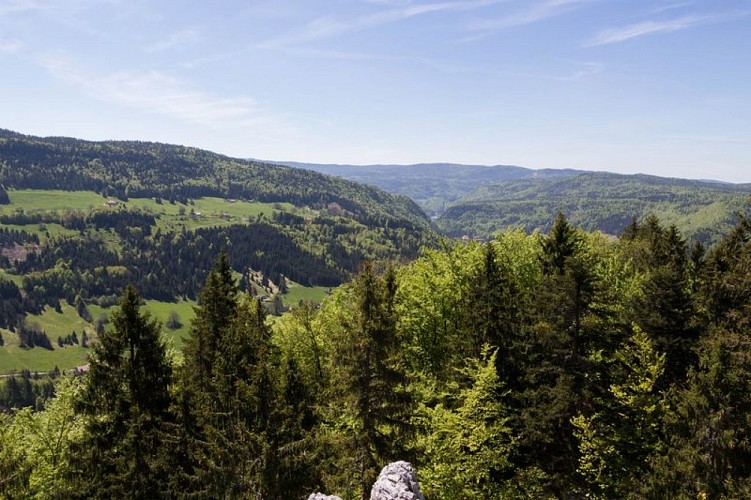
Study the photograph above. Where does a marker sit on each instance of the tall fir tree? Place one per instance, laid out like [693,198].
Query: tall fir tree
[126,404]
[554,373]
[665,308]
[707,452]
[491,315]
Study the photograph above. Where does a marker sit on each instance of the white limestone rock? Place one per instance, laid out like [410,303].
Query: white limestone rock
[397,481]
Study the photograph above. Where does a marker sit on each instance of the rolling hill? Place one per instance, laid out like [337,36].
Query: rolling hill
[702,210]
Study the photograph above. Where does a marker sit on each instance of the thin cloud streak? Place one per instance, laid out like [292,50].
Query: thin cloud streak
[586,70]
[617,35]
[10,46]
[536,13]
[328,27]
[182,38]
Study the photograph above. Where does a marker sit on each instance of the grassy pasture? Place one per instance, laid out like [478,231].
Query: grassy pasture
[296,293]
[208,211]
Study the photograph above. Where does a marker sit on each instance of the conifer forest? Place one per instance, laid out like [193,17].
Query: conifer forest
[558,365]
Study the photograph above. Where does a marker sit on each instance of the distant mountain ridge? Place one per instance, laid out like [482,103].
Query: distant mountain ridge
[478,200]
[433,186]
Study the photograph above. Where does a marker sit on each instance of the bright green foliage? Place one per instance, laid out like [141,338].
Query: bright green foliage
[300,337]
[467,448]
[35,448]
[126,403]
[431,307]
[14,467]
[614,444]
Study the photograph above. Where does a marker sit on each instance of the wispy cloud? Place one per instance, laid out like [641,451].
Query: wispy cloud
[536,12]
[329,26]
[181,38]
[584,70]
[671,6]
[10,46]
[652,27]
[50,6]
[160,93]
[13,6]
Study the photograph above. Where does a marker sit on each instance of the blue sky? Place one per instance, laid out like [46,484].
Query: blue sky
[660,87]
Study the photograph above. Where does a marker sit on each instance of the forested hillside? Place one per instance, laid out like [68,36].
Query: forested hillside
[704,211]
[553,365]
[175,173]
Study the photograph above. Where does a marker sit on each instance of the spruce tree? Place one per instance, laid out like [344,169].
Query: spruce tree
[243,399]
[218,302]
[491,315]
[195,399]
[368,378]
[665,308]
[707,450]
[555,372]
[126,404]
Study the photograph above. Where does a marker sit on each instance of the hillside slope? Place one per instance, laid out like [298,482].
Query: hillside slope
[163,212]
[703,210]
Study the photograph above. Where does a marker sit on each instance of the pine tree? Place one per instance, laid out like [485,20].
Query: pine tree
[665,309]
[218,302]
[555,374]
[126,406]
[491,315]
[297,472]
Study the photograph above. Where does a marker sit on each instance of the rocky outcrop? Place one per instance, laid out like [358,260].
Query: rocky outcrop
[321,496]
[397,481]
